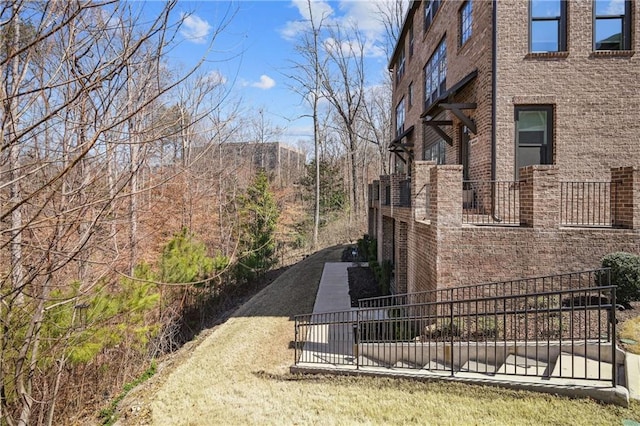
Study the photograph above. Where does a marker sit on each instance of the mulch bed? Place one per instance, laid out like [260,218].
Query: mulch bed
[362,284]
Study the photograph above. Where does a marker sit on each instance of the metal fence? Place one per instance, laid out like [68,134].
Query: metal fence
[587,203]
[405,193]
[491,202]
[531,285]
[554,333]
[387,195]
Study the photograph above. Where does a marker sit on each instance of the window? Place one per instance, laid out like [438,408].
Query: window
[400,66]
[400,118]
[612,26]
[466,21]
[436,152]
[548,26]
[534,135]
[435,74]
[410,94]
[430,9]
[411,41]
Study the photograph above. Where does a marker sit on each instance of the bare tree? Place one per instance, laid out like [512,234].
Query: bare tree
[344,86]
[391,15]
[80,83]
[307,80]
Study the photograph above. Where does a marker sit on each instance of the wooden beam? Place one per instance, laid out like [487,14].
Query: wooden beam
[464,118]
[438,122]
[459,106]
[443,135]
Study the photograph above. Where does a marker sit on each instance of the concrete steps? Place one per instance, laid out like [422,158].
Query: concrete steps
[520,365]
[568,366]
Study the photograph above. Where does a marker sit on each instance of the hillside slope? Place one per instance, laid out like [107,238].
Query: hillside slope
[237,374]
[236,364]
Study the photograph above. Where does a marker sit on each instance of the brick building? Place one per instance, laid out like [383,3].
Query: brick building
[284,165]
[517,142]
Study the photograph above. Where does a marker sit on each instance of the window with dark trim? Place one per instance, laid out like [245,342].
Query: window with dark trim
[534,135]
[466,21]
[411,40]
[436,152]
[612,25]
[435,74]
[400,115]
[410,94]
[548,26]
[430,9]
[400,66]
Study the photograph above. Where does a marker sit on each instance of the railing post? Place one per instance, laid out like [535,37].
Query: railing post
[451,328]
[614,366]
[356,340]
[295,341]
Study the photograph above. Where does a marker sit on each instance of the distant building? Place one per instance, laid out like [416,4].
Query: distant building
[284,165]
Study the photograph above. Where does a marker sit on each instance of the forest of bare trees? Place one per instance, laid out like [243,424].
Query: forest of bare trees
[110,226]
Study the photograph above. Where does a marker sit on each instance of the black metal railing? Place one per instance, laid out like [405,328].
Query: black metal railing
[405,193]
[530,285]
[556,333]
[587,203]
[491,202]
[387,195]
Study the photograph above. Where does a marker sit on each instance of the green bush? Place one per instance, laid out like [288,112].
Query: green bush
[625,274]
[384,283]
[367,248]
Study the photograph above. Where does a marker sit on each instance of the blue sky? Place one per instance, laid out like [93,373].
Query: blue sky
[254,51]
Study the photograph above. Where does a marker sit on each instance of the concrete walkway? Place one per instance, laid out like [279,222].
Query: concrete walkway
[333,291]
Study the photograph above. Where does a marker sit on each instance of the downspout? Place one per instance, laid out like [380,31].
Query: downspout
[494,79]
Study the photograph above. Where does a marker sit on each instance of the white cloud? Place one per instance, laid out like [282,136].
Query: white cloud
[265,82]
[194,28]
[362,15]
[216,77]
[320,9]
[616,7]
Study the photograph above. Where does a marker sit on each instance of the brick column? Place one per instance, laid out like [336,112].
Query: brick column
[539,196]
[446,195]
[395,180]
[385,244]
[401,258]
[625,197]
[420,188]
[385,181]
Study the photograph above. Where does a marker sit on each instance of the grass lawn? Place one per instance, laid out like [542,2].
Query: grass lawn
[238,373]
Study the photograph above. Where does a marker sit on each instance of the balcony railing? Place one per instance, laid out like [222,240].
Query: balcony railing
[558,333]
[405,193]
[542,284]
[587,203]
[491,202]
[387,195]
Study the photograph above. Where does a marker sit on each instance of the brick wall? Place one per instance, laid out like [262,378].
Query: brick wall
[475,54]
[401,257]
[595,96]
[626,197]
[446,253]
[420,191]
[385,242]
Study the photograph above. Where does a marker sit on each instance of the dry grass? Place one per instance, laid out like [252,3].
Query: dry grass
[630,331]
[238,374]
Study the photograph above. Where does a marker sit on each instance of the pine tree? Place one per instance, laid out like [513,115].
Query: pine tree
[257,227]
